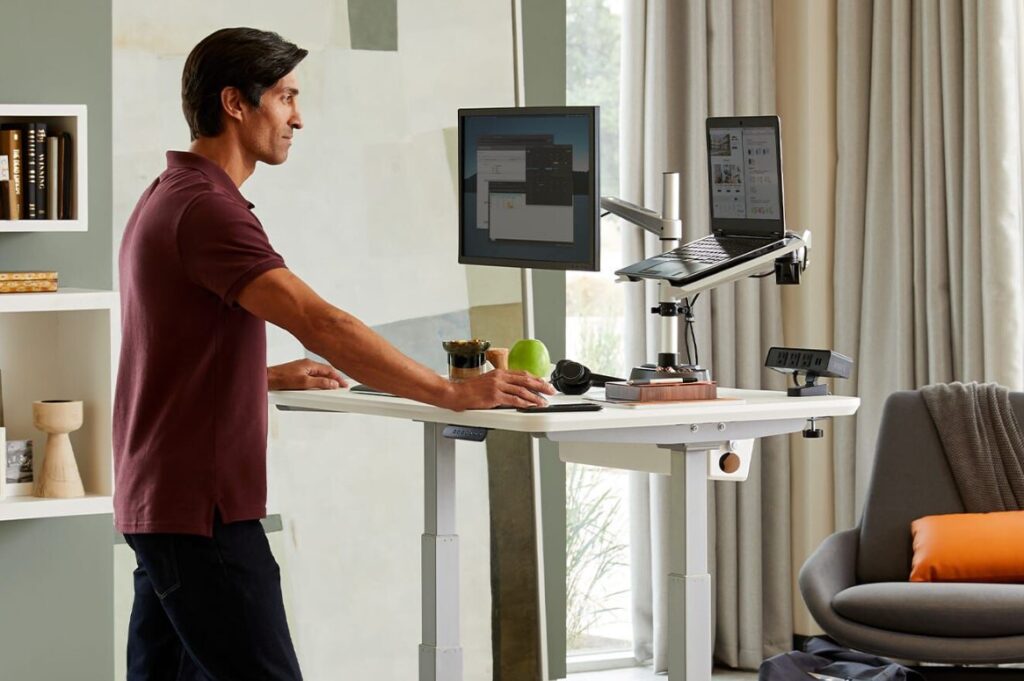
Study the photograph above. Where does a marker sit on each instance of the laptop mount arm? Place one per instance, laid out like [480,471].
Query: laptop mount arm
[788,265]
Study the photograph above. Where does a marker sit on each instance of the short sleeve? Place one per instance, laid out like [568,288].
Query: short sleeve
[223,246]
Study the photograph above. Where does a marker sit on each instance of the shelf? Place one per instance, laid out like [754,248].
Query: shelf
[62,346]
[70,118]
[60,300]
[24,508]
[43,226]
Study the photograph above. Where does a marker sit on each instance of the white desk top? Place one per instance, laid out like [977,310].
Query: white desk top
[750,405]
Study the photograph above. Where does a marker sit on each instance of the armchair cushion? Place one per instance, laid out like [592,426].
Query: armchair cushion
[969,547]
[936,609]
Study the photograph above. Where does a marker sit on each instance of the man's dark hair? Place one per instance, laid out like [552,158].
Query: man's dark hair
[245,58]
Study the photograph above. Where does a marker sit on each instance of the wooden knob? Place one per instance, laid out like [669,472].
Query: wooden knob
[729,462]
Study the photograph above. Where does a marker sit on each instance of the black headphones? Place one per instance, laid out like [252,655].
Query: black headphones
[572,378]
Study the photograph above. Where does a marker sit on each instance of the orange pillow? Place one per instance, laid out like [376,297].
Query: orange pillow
[969,547]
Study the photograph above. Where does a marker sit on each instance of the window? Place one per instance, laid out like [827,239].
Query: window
[599,630]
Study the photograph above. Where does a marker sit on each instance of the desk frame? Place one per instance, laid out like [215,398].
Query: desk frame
[689,438]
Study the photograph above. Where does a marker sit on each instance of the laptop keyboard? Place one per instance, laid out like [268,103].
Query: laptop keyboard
[711,249]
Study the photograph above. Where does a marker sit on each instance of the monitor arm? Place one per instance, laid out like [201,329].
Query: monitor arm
[669,229]
[666,226]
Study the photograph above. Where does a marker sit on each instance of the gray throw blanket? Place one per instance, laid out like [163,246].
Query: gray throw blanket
[983,442]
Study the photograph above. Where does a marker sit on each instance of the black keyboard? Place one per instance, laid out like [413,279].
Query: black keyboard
[711,249]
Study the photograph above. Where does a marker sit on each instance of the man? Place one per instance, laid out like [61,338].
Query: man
[199,279]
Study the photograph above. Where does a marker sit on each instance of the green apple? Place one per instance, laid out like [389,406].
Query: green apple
[530,355]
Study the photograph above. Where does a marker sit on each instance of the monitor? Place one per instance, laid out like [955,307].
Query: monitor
[745,176]
[528,187]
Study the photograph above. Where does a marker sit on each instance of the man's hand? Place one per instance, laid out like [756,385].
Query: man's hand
[499,387]
[303,374]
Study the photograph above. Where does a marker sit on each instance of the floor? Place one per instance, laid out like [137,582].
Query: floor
[941,674]
[646,674]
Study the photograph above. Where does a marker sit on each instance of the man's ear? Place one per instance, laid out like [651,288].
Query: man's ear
[231,102]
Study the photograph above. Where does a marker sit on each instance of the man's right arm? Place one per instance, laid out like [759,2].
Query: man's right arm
[283,299]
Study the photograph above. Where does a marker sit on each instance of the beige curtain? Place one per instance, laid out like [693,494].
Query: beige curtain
[929,233]
[682,61]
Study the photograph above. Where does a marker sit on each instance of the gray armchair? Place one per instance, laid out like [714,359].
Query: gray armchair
[856,584]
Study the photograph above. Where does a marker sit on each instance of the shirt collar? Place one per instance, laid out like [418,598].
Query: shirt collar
[216,174]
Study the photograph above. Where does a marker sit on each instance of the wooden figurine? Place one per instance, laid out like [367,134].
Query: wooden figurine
[59,477]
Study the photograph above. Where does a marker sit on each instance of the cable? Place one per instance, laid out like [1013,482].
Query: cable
[607,212]
[688,330]
[762,276]
[696,354]
[795,381]
[686,338]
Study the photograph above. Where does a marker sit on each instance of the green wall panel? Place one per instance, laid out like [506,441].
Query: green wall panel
[56,575]
[544,85]
[373,24]
[59,52]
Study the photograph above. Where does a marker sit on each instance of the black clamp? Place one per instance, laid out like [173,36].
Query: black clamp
[789,267]
[673,310]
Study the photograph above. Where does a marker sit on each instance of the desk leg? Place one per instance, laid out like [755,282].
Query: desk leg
[440,652]
[689,584]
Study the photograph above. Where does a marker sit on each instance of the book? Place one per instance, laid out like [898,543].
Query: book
[10,146]
[660,392]
[41,171]
[27,276]
[5,178]
[28,142]
[67,173]
[52,177]
[28,286]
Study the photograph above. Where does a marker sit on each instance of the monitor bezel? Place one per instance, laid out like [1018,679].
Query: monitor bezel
[746,226]
[593,262]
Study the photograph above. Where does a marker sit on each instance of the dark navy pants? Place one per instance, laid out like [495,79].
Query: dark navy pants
[209,609]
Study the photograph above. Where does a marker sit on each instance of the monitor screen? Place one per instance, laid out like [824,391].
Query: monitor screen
[745,175]
[528,187]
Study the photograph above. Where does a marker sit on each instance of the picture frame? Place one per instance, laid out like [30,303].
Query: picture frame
[20,449]
[3,476]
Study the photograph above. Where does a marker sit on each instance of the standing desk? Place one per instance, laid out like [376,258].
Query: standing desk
[691,439]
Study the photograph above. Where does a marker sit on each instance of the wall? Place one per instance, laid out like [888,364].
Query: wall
[365,211]
[75,71]
[56,573]
[544,80]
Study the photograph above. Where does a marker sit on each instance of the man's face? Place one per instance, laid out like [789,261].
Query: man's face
[267,133]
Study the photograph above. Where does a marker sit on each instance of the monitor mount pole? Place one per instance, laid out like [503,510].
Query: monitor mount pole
[669,229]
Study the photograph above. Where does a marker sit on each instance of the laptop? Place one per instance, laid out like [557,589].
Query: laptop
[747,220]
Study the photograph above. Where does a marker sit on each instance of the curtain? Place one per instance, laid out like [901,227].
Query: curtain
[929,233]
[682,61]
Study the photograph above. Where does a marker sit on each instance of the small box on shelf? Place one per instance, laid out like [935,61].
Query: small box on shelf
[24,281]
[56,192]
[19,472]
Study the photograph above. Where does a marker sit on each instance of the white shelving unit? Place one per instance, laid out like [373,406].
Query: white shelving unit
[71,118]
[61,345]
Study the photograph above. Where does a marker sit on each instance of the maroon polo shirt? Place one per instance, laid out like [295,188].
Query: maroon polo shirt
[190,410]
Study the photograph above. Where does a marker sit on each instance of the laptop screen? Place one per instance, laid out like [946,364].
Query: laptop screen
[745,176]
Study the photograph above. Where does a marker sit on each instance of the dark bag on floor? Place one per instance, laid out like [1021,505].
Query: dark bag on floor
[824,656]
